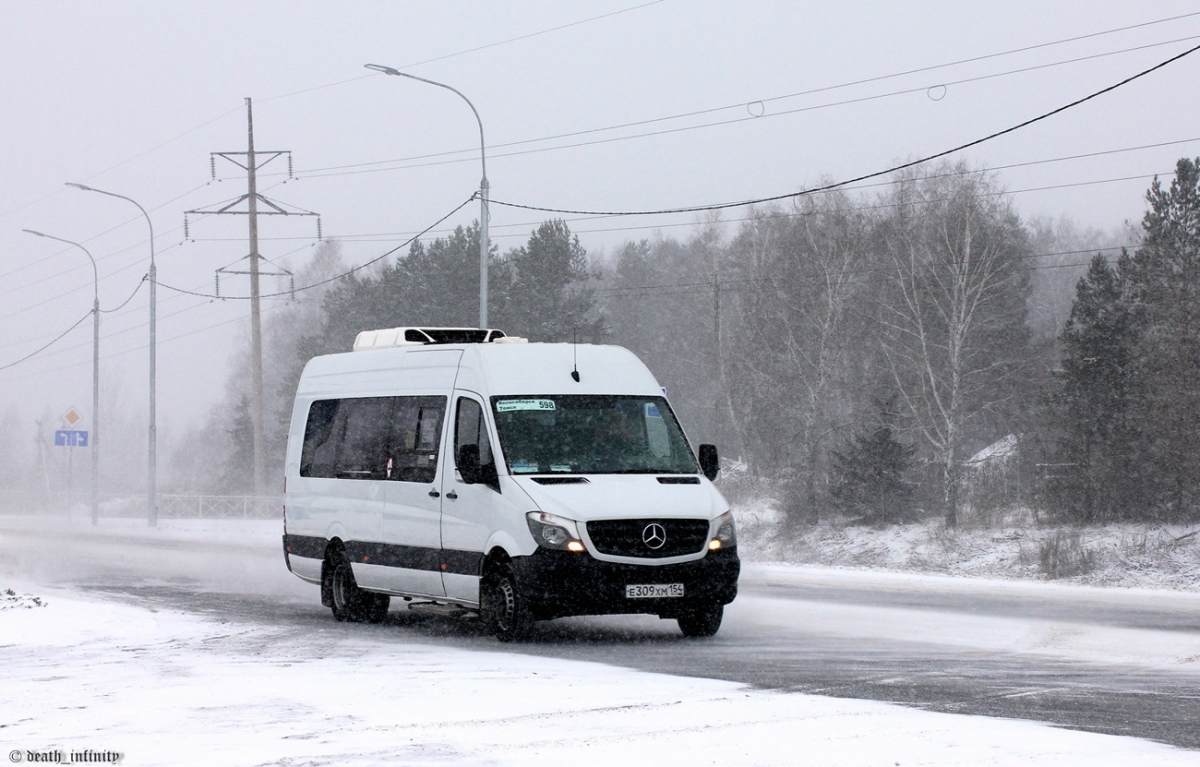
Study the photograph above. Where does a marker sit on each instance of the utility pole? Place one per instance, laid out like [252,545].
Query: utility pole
[256,407]
[718,409]
[251,161]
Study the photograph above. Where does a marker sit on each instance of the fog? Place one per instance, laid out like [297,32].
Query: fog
[622,106]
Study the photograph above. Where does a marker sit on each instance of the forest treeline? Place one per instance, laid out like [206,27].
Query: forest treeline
[876,356]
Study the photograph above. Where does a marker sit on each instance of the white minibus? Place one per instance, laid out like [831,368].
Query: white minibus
[474,474]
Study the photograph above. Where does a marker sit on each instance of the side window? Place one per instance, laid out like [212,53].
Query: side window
[363,453]
[317,458]
[471,429]
[416,438]
[347,438]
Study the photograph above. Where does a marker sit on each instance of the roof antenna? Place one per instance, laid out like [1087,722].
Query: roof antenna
[575,356]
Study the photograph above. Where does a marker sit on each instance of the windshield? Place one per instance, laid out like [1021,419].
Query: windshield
[591,434]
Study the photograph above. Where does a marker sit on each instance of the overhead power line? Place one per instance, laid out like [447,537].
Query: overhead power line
[660,289]
[539,33]
[864,177]
[720,206]
[432,228]
[57,338]
[363,237]
[485,47]
[413,161]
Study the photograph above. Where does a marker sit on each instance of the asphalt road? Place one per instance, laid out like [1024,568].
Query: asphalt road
[904,645]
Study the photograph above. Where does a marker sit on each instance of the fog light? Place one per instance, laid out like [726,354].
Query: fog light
[576,546]
[714,544]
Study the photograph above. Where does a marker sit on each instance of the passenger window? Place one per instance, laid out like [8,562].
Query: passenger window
[347,438]
[470,428]
[416,437]
[317,458]
[363,453]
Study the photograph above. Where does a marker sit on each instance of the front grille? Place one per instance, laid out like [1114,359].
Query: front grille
[626,537]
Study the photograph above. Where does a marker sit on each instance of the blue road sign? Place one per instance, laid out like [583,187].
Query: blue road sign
[70,438]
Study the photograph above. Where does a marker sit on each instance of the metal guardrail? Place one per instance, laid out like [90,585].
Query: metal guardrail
[170,506]
[220,507]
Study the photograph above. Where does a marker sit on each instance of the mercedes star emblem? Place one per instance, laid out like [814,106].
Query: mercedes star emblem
[654,535]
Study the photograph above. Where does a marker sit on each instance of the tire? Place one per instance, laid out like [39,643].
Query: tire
[349,603]
[701,620]
[503,609]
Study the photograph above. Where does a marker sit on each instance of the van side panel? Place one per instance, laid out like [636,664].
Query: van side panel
[390,527]
[407,560]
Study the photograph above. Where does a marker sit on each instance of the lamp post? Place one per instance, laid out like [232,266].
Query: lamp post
[152,512]
[483,190]
[94,443]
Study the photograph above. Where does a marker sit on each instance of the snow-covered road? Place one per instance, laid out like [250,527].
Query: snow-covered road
[140,672]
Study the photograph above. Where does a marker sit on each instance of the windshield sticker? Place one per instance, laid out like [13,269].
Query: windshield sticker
[524,467]
[509,405]
[652,410]
[560,467]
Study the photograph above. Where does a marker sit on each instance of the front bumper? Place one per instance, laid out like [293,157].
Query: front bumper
[561,583]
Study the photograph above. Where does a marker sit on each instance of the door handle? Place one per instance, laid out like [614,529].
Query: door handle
[434,494]
[452,495]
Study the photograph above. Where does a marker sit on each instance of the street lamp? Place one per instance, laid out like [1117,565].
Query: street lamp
[95,440]
[483,190]
[152,512]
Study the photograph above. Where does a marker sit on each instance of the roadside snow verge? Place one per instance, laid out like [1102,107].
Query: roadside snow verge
[163,687]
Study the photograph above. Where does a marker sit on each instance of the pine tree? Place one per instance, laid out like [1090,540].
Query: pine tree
[549,296]
[1100,471]
[869,475]
[1167,281]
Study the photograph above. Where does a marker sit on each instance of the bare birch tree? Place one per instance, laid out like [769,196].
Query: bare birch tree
[954,325]
[799,276]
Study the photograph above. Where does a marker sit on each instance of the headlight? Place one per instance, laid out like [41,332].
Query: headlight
[554,532]
[726,535]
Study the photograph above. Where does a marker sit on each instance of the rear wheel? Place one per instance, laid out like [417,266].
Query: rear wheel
[349,602]
[701,621]
[503,608]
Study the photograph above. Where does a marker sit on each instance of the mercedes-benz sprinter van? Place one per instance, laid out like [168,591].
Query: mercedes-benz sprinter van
[474,474]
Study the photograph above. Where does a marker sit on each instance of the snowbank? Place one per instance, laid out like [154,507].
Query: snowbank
[163,687]
[1017,547]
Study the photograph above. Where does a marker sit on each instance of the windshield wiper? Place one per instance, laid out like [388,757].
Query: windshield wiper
[636,471]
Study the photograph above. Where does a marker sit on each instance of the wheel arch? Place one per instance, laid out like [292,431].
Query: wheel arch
[500,547]
[496,558]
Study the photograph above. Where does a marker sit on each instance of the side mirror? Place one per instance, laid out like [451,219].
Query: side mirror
[710,464]
[472,472]
[468,464]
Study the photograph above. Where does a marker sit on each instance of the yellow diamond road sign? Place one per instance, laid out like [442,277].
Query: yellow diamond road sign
[72,417]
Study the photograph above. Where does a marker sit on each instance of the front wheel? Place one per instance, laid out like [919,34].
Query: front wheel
[350,603]
[504,610]
[701,621]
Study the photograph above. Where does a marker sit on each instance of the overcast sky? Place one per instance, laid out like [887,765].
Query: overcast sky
[614,105]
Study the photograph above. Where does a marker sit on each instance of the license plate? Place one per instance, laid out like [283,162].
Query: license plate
[653,590]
